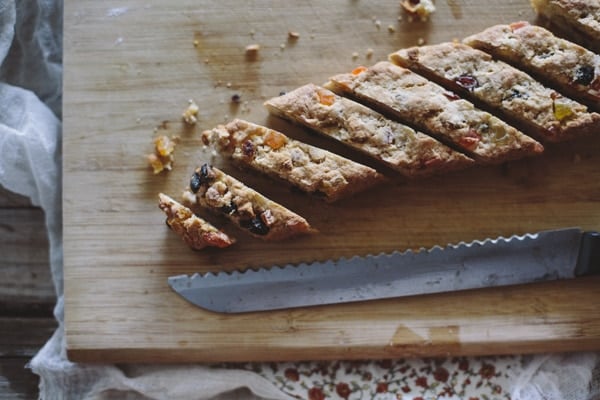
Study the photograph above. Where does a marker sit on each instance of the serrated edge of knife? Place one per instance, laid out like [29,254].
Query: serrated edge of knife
[209,275]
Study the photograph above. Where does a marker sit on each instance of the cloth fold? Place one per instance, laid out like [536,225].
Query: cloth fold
[30,164]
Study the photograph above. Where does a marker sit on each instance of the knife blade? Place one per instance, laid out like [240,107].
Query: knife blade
[543,256]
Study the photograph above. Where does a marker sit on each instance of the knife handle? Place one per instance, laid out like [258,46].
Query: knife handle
[588,261]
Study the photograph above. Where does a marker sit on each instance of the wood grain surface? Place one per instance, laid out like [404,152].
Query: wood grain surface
[27,296]
[130,68]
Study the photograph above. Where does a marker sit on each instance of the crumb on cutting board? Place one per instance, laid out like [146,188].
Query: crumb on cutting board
[190,114]
[252,50]
[420,8]
[162,158]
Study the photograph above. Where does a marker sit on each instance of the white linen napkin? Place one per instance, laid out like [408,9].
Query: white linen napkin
[30,164]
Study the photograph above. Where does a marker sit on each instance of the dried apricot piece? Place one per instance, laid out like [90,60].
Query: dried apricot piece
[274,140]
[358,70]
[326,98]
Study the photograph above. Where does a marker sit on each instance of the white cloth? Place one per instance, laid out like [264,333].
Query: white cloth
[30,160]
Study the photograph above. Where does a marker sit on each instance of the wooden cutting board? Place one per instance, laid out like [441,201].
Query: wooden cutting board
[131,66]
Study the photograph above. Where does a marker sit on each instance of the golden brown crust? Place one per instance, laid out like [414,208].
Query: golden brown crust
[570,68]
[222,194]
[515,95]
[405,95]
[193,230]
[308,168]
[400,147]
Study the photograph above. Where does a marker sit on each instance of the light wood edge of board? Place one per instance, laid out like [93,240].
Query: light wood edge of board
[560,315]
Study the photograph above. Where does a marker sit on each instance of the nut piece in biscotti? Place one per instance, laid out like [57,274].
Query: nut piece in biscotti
[222,194]
[514,95]
[195,232]
[580,19]
[569,68]
[400,147]
[308,168]
[414,100]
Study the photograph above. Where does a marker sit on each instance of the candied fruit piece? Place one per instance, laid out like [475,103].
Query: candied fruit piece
[358,70]
[562,111]
[325,98]
[469,82]
[274,140]
[470,140]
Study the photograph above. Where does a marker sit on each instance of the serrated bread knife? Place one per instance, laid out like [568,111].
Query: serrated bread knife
[547,255]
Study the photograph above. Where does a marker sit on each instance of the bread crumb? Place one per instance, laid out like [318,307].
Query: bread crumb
[190,114]
[228,85]
[188,198]
[155,163]
[369,53]
[420,8]
[378,24]
[355,55]
[196,43]
[421,41]
[162,158]
[282,46]
[391,29]
[252,51]
[251,33]
[293,35]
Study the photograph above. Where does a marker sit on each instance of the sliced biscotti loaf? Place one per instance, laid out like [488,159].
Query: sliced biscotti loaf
[571,69]
[578,18]
[510,92]
[222,194]
[308,168]
[409,97]
[400,147]
[195,231]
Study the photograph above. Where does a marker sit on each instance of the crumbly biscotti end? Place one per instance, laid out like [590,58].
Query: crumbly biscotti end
[570,68]
[308,168]
[578,18]
[508,91]
[416,101]
[400,147]
[193,230]
[252,212]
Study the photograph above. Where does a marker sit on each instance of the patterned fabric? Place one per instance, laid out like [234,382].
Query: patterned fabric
[487,378]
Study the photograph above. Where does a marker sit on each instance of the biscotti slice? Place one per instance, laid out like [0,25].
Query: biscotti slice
[308,168]
[513,94]
[564,65]
[407,96]
[195,231]
[580,19]
[222,194]
[400,147]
